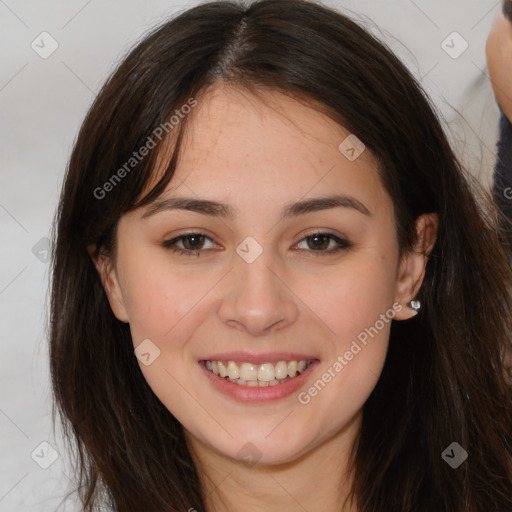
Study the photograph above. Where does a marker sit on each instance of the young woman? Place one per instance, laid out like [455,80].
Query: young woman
[274,287]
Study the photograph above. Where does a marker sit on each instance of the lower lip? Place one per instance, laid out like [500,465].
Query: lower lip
[251,394]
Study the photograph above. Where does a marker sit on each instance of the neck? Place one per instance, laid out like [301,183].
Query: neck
[319,480]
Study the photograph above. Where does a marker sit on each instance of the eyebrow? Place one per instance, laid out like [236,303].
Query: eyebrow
[216,209]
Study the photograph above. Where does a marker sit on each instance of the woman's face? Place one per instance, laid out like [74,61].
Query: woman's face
[261,287]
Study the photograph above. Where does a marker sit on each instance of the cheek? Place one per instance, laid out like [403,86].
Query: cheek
[164,309]
[166,306]
[353,296]
[160,298]
[356,306]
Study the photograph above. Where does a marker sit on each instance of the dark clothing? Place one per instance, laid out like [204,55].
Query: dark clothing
[502,188]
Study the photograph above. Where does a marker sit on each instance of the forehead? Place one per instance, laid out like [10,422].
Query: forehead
[237,123]
[270,147]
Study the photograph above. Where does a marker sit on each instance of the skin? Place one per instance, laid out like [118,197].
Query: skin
[499,62]
[289,299]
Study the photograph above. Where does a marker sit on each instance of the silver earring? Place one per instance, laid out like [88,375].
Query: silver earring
[414,304]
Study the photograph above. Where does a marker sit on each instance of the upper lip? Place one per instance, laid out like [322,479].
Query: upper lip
[268,357]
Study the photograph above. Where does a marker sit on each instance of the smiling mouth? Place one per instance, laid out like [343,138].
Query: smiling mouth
[258,375]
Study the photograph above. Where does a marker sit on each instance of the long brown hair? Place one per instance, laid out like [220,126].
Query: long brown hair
[444,378]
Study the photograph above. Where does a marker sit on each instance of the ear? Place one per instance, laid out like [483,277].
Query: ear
[413,263]
[110,282]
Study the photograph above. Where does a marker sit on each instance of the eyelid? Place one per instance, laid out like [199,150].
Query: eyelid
[322,231]
[190,232]
[342,242]
[179,236]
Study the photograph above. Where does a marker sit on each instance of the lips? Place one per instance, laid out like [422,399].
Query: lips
[276,389]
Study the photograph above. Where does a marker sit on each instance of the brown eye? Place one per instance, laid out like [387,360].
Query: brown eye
[324,244]
[318,242]
[192,244]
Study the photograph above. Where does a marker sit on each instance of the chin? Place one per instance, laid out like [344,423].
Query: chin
[264,452]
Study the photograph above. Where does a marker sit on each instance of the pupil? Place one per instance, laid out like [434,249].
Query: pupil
[322,239]
[193,237]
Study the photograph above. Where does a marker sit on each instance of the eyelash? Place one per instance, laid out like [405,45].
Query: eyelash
[342,244]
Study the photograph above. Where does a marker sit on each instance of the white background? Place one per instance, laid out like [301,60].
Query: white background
[42,103]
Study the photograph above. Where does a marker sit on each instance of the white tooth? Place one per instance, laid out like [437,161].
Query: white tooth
[281,370]
[248,371]
[292,368]
[266,372]
[262,383]
[223,371]
[233,370]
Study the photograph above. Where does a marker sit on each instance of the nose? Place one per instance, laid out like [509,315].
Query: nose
[256,297]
